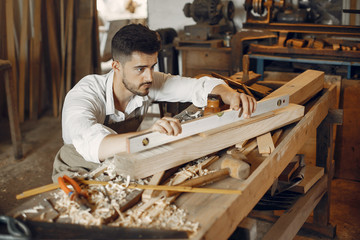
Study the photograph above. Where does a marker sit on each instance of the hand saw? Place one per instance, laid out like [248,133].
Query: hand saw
[149,140]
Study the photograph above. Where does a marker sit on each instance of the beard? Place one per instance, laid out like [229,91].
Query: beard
[136,89]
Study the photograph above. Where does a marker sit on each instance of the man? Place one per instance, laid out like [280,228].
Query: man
[100,112]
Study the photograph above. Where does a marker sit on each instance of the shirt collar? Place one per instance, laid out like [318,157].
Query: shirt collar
[135,102]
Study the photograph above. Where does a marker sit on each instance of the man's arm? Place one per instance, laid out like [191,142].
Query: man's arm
[236,100]
[116,143]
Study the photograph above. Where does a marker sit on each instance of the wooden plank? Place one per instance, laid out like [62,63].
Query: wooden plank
[35,63]
[290,222]
[311,176]
[62,55]
[13,113]
[146,163]
[149,140]
[155,180]
[302,87]
[69,44]
[10,41]
[219,223]
[54,55]
[23,57]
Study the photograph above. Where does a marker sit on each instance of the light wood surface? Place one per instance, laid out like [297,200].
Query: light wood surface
[164,157]
[302,87]
[220,222]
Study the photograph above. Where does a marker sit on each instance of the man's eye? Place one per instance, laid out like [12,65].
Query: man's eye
[139,69]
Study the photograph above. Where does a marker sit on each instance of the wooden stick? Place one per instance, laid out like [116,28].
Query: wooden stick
[229,80]
[62,55]
[23,58]
[54,186]
[69,39]
[35,63]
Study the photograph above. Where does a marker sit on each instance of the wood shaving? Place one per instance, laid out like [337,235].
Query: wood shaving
[106,202]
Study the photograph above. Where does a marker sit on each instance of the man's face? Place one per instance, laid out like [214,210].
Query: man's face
[138,71]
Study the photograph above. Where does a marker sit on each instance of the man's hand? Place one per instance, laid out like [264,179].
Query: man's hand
[236,100]
[167,125]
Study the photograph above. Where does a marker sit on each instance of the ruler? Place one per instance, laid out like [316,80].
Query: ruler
[149,140]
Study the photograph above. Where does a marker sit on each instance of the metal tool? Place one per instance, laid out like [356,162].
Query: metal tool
[16,229]
[152,139]
[78,195]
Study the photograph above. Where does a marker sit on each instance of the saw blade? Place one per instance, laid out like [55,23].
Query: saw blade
[149,140]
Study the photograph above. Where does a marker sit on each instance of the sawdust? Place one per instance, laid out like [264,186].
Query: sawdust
[106,202]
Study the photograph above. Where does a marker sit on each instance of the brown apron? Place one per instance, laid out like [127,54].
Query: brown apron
[68,161]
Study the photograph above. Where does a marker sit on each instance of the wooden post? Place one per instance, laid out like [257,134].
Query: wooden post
[12,108]
[35,63]
[324,157]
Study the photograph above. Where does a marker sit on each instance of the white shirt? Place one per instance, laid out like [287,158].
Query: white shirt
[89,102]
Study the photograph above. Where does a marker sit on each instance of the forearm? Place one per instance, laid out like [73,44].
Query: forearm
[225,92]
[113,144]
[116,143]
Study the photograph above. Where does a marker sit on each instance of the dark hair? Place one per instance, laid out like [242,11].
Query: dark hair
[134,38]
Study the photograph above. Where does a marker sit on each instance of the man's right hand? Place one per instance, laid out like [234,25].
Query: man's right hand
[167,125]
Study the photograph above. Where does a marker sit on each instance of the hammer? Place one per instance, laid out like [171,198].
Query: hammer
[230,166]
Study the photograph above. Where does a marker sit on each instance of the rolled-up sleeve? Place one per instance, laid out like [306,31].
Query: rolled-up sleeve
[81,124]
[171,88]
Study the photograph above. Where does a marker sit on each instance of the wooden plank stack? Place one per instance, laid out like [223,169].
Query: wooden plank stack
[41,44]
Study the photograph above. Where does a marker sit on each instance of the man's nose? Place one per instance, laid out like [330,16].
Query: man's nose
[148,75]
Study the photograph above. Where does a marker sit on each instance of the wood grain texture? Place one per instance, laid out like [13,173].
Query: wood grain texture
[23,57]
[164,157]
[265,143]
[302,87]
[222,221]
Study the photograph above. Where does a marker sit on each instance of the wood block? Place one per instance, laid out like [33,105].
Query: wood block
[311,176]
[265,144]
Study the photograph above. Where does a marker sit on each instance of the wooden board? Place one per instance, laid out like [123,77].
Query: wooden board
[164,157]
[311,176]
[220,222]
[149,140]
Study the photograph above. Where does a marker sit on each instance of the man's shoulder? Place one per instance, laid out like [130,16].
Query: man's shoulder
[92,83]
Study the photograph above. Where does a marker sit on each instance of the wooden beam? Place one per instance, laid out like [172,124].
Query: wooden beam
[302,87]
[147,163]
[23,57]
[54,55]
[69,53]
[10,41]
[35,63]
[219,223]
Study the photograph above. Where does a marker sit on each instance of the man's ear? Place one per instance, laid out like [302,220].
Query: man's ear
[116,66]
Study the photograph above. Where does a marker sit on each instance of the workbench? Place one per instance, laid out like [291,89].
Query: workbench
[219,215]
[261,58]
